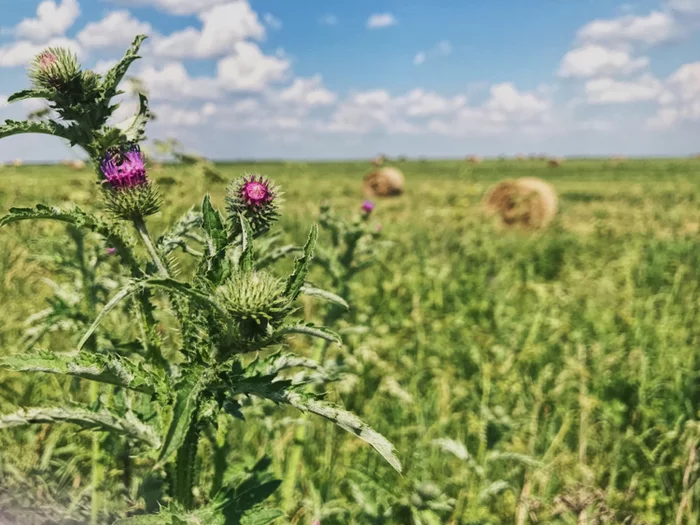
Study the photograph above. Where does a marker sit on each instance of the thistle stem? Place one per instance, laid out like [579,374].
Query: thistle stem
[140,226]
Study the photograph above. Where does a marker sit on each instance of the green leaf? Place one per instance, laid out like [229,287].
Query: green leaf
[134,128]
[114,76]
[189,392]
[246,262]
[301,266]
[113,370]
[323,294]
[213,224]
[182,230]
[80,219]
[30,93]
[111,305]
[45,127]
[341,417]
[314,331]
[261,516]
[103,420]
[276,254]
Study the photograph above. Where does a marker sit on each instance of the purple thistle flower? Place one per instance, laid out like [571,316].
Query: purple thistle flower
[111,251]
[124,168]
[367,206]
[256,192]
[46,59]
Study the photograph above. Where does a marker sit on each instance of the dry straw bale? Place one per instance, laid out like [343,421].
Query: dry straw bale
[555,163]
[17,163]
[67,163]
[384,182]
[78,165]
[528,202]
[474,159]
[379,160]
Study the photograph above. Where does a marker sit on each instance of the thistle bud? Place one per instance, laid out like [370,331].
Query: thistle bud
[257,199]
[256,301]
[367,207]
[54,68]
[130,195]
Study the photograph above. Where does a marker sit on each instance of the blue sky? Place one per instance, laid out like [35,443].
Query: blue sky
[317,79]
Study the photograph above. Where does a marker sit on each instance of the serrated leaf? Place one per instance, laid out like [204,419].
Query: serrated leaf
[301,266]
[134,127]
[70,133]
[114,76]
[324,294]
[313,331]
[246,261]
[111,370]
[29,93]
[84,418]
[188,396]
[111,305]
[213,224]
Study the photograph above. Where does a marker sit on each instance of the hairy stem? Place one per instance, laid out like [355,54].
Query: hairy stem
[140,226]
[185,463]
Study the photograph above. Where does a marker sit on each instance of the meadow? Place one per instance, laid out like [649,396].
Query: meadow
[523,377]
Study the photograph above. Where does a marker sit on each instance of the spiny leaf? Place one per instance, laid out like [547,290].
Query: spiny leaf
[70,133]
[102,420]
[277,254]
[113,302]
[113,370]
[213,224]
[328,296]
[177,235]
[114,76]
[29,93]
[188,396]
[344,419]
[301,266]
[314,331]
[134,127]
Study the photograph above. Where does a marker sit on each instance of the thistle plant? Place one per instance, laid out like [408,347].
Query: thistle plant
[233,315]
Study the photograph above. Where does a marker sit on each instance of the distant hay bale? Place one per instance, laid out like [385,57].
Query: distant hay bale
[66,162]
[17,163]
[384,182]
[520,157]
[78,165]
[474,159]
[555,163]
[527,202]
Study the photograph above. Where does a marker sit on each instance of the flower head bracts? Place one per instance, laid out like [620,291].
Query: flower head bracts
[255,198]
[54,68]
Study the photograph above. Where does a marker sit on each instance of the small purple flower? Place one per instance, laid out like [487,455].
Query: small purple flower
[111,251]
[124,167]
[256,191]
[367,206]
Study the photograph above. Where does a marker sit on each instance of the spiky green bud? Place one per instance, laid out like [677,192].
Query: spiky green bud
[257,199]
[54,68]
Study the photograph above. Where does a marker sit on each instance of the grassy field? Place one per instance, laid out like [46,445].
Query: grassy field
[524,378]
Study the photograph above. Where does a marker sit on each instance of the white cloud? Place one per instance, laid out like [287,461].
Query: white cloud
[117,29]
[172,82]
[249,69]
[308,92]
[272,21]
[419,103]
[175,116]
[691,7]
[595,60]
[419,58]
[21,53]
[655,28]
[51,20]
[611,91]
[328,20]
[379,20]
[102,66]
[176,7]
[680,100]
[223,26]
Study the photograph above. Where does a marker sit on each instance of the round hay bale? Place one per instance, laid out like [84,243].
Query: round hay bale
[384,182]
[78,165]
[474,159]
[527,202]
[520,156]
[66,163]
[17,163]
[555,163]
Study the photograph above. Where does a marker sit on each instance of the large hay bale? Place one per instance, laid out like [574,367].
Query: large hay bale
[78,165]
[528,202]
[555,163]
[474,159]
[384,182]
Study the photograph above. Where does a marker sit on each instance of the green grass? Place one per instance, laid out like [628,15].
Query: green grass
[566,362]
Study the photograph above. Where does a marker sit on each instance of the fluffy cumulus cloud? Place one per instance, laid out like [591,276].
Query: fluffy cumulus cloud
[612,91]
[20,53]
[592,60]
[117,29]
[442,48]
[52,20]
[171,81]
[249,69]
[223,26]
[655,28]
[680,100]
[308,92]
[380,20]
